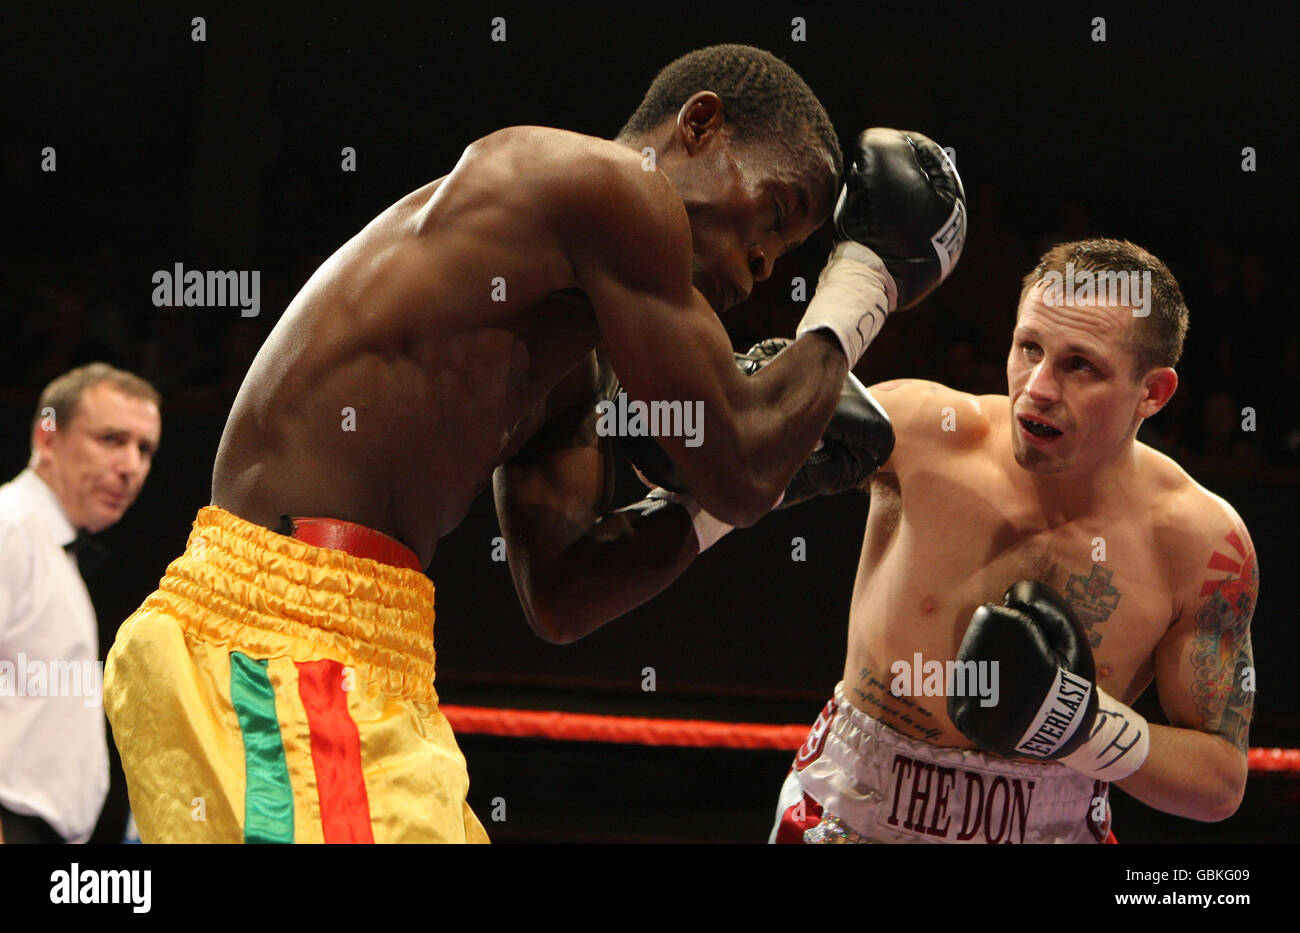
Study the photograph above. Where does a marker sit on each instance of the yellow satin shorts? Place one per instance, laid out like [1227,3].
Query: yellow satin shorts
[272,691]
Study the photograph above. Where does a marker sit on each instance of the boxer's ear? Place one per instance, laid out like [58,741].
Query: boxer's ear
[700,121]
[1160,384]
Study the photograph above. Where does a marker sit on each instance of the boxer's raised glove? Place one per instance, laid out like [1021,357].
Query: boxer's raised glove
[857,441]
[1049,704]
[901,223]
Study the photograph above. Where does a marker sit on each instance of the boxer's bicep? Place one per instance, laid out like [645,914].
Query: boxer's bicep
[736,440]
[630,246]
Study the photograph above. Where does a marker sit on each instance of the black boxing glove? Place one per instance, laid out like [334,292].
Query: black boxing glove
[901,222]
[857,441]
[903,198]
[1048,704]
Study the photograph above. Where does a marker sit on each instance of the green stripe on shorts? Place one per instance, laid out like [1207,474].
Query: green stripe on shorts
[268,795]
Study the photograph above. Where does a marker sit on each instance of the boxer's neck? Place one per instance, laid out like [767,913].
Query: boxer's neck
[1092,490]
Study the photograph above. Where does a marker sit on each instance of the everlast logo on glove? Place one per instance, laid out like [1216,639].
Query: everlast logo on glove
[1058,717]
[950,239]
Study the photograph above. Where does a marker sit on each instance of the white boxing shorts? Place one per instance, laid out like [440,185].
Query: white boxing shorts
[857,780]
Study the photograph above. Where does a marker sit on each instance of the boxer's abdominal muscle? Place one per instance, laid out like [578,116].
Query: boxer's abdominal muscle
[394,382]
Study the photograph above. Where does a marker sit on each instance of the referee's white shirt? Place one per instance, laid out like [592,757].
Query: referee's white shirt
[53,747]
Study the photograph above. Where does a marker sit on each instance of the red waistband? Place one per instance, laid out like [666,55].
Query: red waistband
[357,540]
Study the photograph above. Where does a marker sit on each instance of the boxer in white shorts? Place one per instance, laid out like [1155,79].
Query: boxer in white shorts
[1032,541]
[854,771]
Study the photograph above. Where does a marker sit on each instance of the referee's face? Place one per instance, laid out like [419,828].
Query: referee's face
[97,464]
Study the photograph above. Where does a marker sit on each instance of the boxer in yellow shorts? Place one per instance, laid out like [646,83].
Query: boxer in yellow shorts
[272,691]
[451,344]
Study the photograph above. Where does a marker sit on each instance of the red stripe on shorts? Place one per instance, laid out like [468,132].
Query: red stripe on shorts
[335,753]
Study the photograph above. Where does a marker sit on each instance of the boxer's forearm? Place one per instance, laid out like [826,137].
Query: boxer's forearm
[1191,774]
[626,558]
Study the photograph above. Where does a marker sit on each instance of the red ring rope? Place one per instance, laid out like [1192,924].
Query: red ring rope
[697,733]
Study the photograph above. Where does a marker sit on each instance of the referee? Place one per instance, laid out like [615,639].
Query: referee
[94,436]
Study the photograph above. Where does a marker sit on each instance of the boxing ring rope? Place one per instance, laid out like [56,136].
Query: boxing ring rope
[626,730]
[699,733]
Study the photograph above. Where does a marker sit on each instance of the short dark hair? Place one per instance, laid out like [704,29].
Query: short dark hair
[1156,339]
[763,100]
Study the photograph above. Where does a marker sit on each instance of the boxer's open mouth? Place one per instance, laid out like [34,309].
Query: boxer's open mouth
[1039,428]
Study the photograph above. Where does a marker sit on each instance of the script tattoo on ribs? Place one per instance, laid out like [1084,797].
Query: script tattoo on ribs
[1221,648]
[891,710]
[1093,599]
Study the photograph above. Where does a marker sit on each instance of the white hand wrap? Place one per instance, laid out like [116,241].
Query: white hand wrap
[707,528]
[855,293]
[1118,746]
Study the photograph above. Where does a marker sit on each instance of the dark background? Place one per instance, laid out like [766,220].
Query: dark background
[226,155]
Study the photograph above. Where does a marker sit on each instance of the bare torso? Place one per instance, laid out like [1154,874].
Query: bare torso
[418,356]
[958,523]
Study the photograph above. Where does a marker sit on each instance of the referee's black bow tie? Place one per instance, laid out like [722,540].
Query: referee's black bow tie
[90,553]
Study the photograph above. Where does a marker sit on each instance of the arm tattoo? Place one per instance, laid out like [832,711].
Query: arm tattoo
[1221,648]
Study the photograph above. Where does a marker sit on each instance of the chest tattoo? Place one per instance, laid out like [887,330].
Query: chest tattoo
[1093,599]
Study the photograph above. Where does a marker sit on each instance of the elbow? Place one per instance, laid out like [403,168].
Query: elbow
[739,495]
[549,630]
[1226,803]
[1226,798]
[1220,810]
[546,625]
[553,634]
[741,504]
[548,620]
[760,500]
